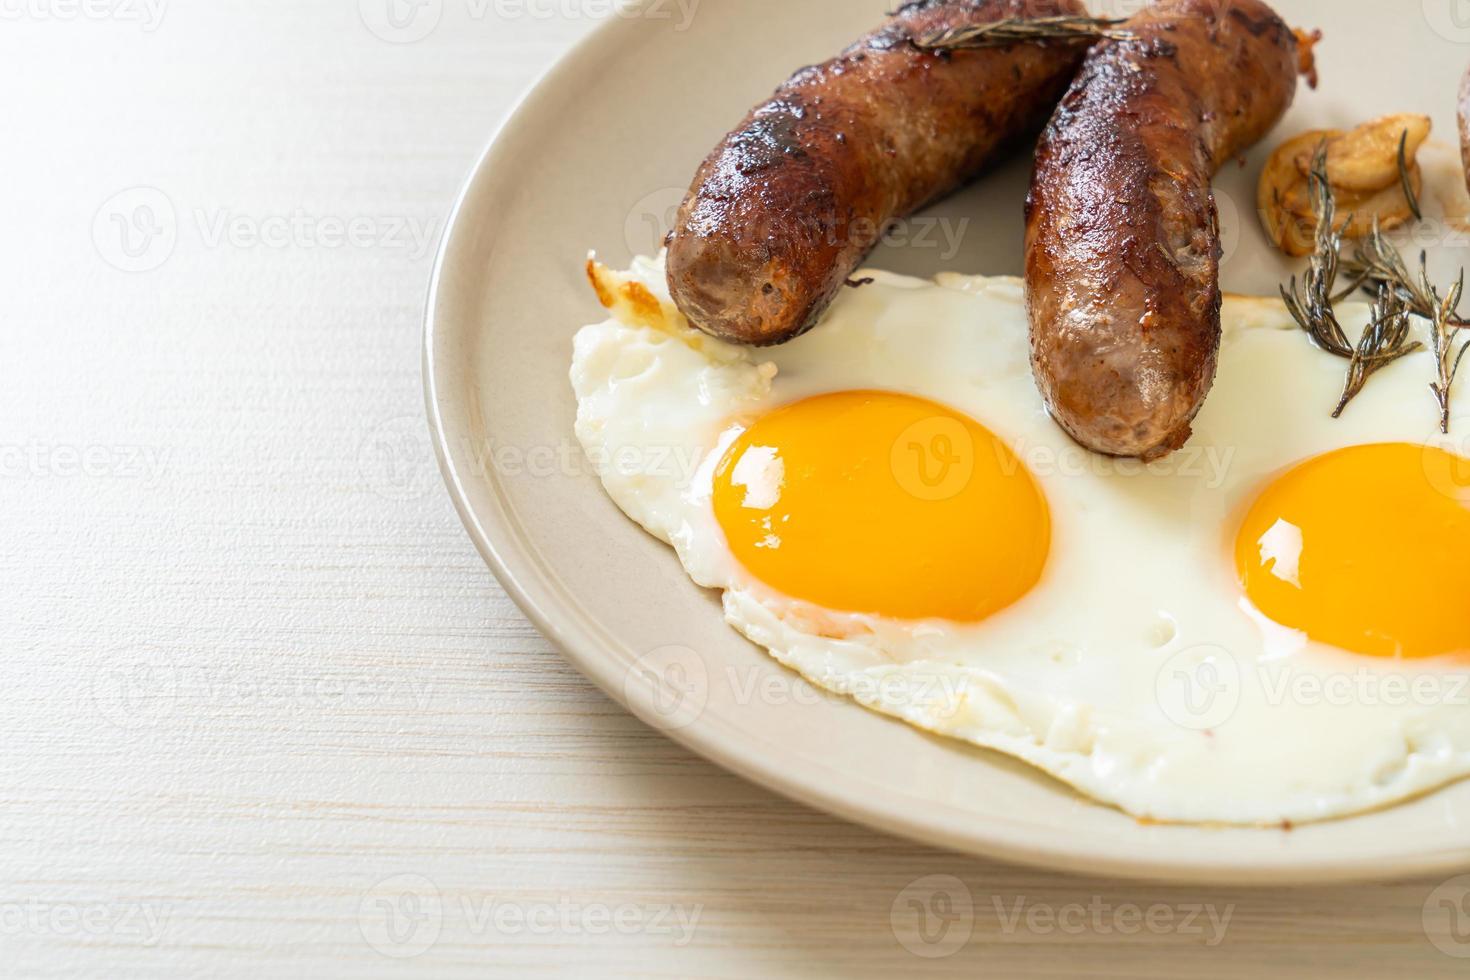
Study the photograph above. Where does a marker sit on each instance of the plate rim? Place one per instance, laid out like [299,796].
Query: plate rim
[572,631]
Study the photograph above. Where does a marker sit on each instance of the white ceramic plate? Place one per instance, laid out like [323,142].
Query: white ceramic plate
[597,156]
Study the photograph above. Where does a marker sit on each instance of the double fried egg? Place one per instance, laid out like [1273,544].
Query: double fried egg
[1269,625]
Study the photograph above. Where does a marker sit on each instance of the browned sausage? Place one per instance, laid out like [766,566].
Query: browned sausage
[1122,237]
[787,206]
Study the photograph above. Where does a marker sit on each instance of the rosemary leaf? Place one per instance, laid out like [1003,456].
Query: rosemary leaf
[1404,177]
[1001,33]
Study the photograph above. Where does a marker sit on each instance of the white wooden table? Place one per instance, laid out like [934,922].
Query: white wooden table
[265,712]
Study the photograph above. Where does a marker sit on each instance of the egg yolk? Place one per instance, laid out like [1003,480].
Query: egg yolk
[1367,549]
[882,503]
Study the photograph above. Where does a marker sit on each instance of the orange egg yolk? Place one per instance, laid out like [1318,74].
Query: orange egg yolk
[882,503]
[1367,549]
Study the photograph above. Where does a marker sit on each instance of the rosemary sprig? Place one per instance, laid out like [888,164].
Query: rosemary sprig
[1445,358]
[1408,184]
[1001,33]
[1386,338]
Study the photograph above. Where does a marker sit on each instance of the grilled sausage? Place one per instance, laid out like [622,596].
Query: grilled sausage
[787,206]
[1122,236]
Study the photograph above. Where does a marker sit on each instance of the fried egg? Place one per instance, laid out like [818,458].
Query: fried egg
[1266,626]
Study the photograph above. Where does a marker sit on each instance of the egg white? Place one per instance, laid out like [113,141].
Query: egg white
[1134,671]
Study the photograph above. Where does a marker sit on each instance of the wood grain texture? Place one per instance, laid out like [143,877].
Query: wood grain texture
[265,711]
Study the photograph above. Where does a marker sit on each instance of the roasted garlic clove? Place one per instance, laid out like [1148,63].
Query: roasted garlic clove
[1367,158]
